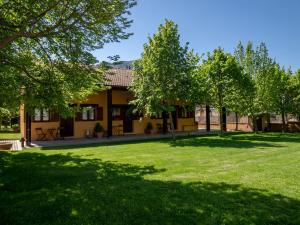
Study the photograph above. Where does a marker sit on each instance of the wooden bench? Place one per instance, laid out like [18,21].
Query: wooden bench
[194,126]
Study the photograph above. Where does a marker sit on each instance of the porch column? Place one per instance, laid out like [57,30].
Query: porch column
[109,113]
[27,127]
[207,114]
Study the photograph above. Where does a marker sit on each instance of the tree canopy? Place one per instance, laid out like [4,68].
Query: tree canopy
[224,78]
[45,48]
[163,73]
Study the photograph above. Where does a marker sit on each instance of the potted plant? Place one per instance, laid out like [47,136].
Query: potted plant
[98,130]
[148,128]
[16,128]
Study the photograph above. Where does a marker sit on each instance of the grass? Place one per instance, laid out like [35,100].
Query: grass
[9,135]
[236,179]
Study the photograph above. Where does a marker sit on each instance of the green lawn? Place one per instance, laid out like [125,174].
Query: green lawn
[9,135]
[238,179]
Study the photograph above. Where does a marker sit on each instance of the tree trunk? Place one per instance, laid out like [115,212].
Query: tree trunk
[224,121]
[283,122]
[236,121]
[172,126]
[221,120]
[207,118]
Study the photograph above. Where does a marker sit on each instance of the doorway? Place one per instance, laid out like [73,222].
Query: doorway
[67,127]
[259,124]
[127,120]
[174,117]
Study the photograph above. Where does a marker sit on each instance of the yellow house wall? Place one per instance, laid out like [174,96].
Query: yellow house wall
[80,127]
[121,97]
[44,125]
[22,121]
[186,124]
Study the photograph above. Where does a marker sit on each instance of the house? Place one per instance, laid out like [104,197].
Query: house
[264,122]
[110,108]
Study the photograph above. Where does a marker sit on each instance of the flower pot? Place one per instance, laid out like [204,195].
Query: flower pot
[99,134]
[147,131]
[5,146]
[16,130]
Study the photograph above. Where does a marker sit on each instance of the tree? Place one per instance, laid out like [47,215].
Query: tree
[295,90]
[45,48]
[200,93]
[258,67]
[163,73]
[246,104]
[282,93]
[223,74]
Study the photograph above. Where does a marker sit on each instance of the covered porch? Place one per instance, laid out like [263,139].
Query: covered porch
[116,139]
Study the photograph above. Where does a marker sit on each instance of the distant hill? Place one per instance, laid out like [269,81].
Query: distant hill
[120,64]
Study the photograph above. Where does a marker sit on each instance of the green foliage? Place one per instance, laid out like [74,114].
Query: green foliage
[223,78]
[16,126]
[45,58]
[163,73]
[149,126]
[295,92]
[98,128]
[264,80]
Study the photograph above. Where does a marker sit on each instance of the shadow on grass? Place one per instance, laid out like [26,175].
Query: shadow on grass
[64,189]
[222,142]
[268,137]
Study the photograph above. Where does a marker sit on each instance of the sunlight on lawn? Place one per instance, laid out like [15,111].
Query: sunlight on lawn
[237,179]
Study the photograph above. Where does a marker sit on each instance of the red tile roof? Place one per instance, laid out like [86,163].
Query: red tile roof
[118,77]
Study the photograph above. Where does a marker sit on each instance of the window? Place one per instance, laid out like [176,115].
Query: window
[116,113]
[157,116]
[88,112]
[41,115]
[185,113]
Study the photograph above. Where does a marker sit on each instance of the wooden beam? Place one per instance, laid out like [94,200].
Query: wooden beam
[109,113]
[27,128]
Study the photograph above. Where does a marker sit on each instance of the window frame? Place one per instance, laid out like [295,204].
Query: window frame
[116,117]
[94,108]
[41,115]
[183,110]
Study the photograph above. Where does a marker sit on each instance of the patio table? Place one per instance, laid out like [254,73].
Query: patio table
[52,133]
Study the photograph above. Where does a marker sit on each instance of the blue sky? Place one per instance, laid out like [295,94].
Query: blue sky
[207,24]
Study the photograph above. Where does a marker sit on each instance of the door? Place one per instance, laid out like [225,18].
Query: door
[67,127]
[128,120]
[259,124]
[174,117]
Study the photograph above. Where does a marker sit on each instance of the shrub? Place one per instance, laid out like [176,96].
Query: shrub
[149,126]
[98,128]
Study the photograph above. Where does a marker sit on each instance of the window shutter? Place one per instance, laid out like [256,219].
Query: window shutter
[123,113]
[54,116]
[78,116]
[99,113]
[192,114]
[180,112]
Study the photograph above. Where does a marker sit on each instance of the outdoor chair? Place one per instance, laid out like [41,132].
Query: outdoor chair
[59,133]
[41,135]
[159,128]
